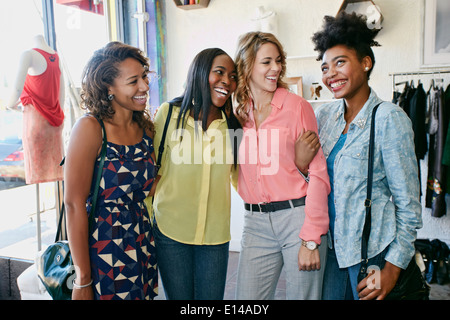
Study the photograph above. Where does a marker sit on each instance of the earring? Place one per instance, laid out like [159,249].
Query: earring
[110,97]
[366,69]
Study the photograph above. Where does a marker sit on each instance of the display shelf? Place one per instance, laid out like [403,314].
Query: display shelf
[201,4]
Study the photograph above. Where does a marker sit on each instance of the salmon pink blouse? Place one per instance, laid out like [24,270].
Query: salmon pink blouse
[267,170]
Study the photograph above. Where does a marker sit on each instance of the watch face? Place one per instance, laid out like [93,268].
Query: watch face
[311,245]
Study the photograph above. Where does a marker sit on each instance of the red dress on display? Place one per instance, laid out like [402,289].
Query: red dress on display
[43,120]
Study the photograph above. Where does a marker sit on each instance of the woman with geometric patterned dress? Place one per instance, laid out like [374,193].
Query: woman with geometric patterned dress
[116,259]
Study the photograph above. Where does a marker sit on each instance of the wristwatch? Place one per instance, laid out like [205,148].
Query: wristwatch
[311,245]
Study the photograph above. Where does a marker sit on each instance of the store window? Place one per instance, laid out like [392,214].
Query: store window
[28,212]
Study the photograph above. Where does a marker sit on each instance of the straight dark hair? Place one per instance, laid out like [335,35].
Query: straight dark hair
[197,94]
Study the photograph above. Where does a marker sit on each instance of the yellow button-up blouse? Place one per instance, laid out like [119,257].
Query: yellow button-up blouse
[193,197]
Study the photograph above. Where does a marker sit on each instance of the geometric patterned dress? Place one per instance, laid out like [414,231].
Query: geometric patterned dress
[122,249]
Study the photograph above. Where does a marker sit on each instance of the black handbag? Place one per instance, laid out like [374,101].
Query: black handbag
[54,265]
[410,285]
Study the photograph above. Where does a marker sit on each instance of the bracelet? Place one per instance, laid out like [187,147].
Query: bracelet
[76,286]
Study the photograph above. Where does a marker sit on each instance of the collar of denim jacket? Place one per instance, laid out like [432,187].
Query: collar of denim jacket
[361,118]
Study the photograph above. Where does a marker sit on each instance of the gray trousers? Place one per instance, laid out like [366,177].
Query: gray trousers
[270,241]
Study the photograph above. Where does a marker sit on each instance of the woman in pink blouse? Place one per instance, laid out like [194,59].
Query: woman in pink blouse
[286,217]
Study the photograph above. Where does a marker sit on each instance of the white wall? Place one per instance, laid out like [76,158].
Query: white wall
[219,25]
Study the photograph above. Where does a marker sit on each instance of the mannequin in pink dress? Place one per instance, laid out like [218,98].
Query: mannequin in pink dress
[39,86]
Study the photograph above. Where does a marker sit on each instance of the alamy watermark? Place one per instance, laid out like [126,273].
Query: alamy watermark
[260,147]
[373,280]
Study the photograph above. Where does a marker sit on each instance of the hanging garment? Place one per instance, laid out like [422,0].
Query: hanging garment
[446,154]
[405,97]
[417,110]
[396,96]
[43,148]
[43,121]
[435,197]
[42,91]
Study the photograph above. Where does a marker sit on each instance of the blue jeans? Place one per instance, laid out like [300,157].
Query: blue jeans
[191,272]
[340,283]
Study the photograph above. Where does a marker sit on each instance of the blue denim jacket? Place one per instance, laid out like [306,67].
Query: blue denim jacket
[394,220]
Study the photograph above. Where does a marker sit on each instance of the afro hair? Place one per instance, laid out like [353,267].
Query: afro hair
[349,29]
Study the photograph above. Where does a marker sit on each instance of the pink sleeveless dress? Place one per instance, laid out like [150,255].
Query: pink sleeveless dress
[43,122]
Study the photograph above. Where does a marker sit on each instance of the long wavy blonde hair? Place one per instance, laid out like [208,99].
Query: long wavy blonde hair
[248,46]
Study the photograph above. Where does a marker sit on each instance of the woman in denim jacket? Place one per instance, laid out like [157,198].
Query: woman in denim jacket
[344,47]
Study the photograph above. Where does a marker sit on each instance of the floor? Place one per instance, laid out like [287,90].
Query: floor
[438,292]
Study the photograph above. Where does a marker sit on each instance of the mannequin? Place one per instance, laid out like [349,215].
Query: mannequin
[39,85]
[266,21]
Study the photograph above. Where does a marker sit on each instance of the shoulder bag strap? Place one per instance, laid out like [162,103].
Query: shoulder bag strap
[163,137]
[99,176]
[368,201]
[97,184]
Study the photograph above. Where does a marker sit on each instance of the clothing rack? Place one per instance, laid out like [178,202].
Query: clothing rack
[414,73]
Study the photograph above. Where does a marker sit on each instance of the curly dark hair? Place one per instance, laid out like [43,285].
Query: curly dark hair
[349,29]
[100,72]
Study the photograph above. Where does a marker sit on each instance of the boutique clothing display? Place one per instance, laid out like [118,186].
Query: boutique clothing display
[43,123]
[437,130]
[42,91]
[122,248]
[429,114]
[446,153]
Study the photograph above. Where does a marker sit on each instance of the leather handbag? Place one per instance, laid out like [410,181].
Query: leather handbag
[54,265]
[410,285]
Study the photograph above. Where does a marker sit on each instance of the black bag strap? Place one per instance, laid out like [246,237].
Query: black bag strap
[97,184]
[163,137]
[368,201]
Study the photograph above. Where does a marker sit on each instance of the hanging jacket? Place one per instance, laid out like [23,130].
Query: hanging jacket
[446,154]
[417,113]
[435,197]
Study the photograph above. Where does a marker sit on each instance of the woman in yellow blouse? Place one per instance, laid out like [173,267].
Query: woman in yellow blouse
[191,205]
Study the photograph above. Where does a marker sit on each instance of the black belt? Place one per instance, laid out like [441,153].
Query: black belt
[274,206]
